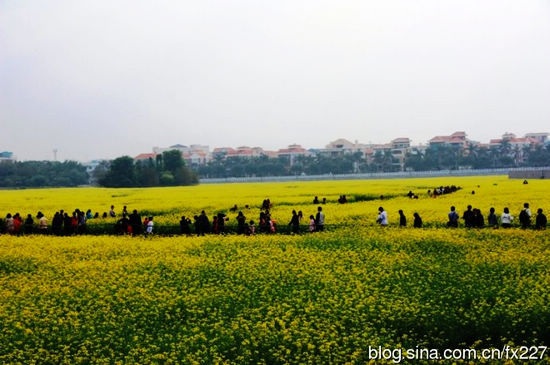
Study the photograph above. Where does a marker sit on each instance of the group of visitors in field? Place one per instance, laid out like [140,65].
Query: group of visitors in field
[132,223]
[473,218]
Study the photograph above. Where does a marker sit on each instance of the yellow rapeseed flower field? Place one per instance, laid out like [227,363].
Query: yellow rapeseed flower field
[275,299]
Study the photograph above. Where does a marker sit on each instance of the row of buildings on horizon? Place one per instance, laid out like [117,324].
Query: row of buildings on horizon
[197,155]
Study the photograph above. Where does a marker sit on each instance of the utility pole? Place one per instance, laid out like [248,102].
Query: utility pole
[55,154]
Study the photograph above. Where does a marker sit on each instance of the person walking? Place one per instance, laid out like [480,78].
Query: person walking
[320,220]
[382,217]
[294,222]
[311,223]
[402,219]
[417,220]
[241,221]
[150,225]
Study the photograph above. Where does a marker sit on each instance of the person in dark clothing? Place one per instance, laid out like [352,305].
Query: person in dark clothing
[478,220]
[324,201]
[342,199]
[185,226]
[410,194]
[417,220]
[197,224]
[241,222]
[468,217]
[453,218]
[28,225]
[541,221]
[204,223]
[492,219]
[221,222]
[262,223]
[320,220]
[215,225]
[295,222]
[525,216]
[316,200]
[402,219]
[122,224]
[67,225]
[135,222]
[57,223]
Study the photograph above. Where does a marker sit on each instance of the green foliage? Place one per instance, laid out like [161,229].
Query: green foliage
[477,157]
[42,173]
[167,169]
[312,299]
[121,173]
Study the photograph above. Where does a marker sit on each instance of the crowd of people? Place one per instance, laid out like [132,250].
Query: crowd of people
[75,223]
[473,218]
[443,190]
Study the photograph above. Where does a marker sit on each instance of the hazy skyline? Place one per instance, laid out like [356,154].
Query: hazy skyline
[99,79]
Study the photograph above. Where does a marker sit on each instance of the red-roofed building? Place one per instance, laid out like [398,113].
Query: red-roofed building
[516,146]
[145,156]
[456,139]
[293,151]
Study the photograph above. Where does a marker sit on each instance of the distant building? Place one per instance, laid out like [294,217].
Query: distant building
[7,156]
[91,166]
[517,146]
[193,155]
[341,147]
[293,151]
[539,137]
[245,152]
[222,152]
[241,152]
[399,149]
[457,139]
[145,156]
[515,141]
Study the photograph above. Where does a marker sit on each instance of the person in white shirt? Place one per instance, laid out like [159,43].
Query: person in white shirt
[382,217]
[150,225]
[506,219]
[43,224]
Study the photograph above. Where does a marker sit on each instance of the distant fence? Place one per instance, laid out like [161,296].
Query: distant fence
[536,172]
[543,173]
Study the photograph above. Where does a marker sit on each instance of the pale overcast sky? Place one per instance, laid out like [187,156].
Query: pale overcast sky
[103,78]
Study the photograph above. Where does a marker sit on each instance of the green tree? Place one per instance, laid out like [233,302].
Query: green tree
[121,173]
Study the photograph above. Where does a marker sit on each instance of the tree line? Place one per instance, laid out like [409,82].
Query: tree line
[167,169]
[478,157]
[42,173]
[432,158]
